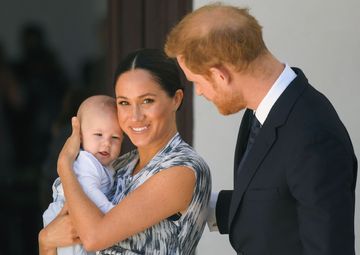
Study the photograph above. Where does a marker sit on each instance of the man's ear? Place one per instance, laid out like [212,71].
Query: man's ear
[180,59]
[220,74]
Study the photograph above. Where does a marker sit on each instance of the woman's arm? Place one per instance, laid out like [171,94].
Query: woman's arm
[163,195]
[60,232]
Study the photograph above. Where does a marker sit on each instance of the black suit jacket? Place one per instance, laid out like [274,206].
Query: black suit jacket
[295,191]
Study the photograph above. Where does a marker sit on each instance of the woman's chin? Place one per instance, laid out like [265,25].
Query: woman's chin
[137,141]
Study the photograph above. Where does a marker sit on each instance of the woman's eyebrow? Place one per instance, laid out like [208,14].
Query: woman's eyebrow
[141,96]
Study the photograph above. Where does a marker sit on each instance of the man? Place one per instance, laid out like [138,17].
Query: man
[295,170]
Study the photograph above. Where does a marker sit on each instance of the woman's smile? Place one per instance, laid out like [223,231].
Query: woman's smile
[140,129]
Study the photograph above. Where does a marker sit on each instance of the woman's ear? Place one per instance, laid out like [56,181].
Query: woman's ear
[178,98]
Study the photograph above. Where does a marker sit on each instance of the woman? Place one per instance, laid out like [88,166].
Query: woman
[161,189]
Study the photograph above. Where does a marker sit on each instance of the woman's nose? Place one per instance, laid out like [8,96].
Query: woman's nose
[137,113]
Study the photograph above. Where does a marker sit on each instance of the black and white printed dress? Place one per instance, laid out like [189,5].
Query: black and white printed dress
[170,236]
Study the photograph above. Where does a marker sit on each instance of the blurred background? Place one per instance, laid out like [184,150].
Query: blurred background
[51,56]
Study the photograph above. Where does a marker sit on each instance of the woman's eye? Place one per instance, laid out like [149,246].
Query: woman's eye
[148,101]
[123,103]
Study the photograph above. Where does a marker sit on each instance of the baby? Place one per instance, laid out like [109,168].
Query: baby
[101,139]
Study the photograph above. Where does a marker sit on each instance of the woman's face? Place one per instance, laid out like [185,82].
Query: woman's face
[145,112]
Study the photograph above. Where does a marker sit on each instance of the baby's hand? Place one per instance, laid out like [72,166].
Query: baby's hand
[71,147]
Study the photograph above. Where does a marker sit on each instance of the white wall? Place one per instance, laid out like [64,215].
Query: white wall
[323,38]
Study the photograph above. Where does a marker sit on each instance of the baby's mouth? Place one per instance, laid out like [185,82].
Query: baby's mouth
[104,153]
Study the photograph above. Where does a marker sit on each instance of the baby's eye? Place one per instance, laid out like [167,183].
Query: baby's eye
[98,134]
[116,138]
[148,101]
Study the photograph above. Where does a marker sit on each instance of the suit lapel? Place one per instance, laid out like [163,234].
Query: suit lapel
[264,141]
[258,152]
[242,138]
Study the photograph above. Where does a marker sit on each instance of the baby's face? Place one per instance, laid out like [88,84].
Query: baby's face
[102,136]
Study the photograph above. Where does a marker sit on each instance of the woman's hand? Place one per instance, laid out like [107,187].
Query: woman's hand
[71,147]
[60,232]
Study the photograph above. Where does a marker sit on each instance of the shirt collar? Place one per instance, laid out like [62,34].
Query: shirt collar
[282,82]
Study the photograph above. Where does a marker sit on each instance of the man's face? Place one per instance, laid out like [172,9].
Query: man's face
[220,95]
[203,86]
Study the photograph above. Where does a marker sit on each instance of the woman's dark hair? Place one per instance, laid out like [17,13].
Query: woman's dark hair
[163,69]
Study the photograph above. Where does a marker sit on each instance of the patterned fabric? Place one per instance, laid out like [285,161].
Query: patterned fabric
[167,237]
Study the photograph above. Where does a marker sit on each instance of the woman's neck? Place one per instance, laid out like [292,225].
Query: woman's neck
[147,153]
